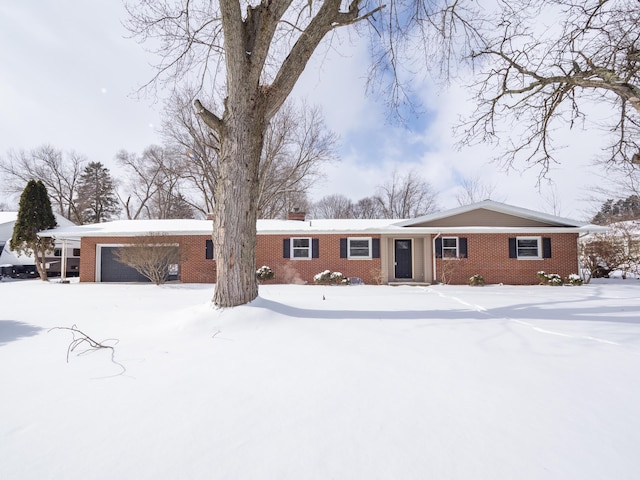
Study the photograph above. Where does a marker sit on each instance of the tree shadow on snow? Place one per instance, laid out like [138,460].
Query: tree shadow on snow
[11,330]
[602,310]
[297,312]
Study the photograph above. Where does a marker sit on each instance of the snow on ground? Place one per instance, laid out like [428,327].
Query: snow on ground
[308,382]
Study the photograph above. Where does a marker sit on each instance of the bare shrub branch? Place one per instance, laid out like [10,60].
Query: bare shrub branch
[154,256]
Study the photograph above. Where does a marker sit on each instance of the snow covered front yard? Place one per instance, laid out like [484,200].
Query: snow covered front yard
[308,382]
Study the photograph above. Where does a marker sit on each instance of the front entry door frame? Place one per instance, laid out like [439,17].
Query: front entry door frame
[403,258]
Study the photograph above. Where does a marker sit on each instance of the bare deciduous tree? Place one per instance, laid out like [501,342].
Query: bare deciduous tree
[406,196]
[333,206]
[154,186]
[198,147]
[474,190]
[154,256]
[249,56]
[368,207]
[296,146]
[545,64]
[57,170]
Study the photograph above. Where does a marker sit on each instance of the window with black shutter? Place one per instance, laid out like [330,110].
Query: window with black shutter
[529,248]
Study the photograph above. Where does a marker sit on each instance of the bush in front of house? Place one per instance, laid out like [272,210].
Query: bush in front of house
[554,279]
[476,280]
[330,278]
[574,279]
[265,273]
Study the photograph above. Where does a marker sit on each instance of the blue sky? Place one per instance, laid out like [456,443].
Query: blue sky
[70,76]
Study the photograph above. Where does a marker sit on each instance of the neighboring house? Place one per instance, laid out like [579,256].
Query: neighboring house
[616,249]
[503,243]
[14,264]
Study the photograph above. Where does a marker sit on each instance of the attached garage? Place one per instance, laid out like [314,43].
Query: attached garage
[111,270]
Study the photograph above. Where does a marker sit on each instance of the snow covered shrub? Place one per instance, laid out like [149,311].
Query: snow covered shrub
[328,277]
[336,277]
[574,279]
[542,276]
[552,279]
[265,273]
[322,277]
[476,280]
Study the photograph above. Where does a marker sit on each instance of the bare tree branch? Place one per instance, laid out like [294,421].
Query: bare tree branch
[540,79]
[82,339]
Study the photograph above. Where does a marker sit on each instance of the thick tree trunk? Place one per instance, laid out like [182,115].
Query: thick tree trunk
[39,256]
[248,107]
[235,210]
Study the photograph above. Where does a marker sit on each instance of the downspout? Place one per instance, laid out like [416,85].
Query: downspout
[578,249]
[433,254]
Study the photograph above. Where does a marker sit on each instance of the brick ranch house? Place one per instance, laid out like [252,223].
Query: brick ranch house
[503,243]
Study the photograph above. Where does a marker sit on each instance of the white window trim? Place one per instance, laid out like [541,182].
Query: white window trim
[359,257]
[449,248]
[292,249]
[539,242]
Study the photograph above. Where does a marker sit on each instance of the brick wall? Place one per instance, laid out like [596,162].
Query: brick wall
[488,255]
[194,267]
[270,252]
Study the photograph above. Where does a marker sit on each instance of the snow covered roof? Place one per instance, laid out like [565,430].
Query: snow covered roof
[8,217]
[125,228]
[132,228]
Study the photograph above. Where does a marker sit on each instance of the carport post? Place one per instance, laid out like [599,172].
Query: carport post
[63,264]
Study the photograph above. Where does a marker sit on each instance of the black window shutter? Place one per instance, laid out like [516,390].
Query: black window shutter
[438,247]
[513,252]
[375,248]
[286,248]
[315,248]
[462,247]
[209,250]
[343,248]
[546,247]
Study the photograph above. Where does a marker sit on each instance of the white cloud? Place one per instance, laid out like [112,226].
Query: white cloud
[68,79]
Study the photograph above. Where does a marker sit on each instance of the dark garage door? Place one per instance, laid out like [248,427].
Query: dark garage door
[111,270]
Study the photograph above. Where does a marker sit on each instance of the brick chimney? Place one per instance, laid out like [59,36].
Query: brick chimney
[296,214]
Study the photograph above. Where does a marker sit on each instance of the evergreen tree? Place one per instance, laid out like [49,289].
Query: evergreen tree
[34,215]
[618,211]
[96,199]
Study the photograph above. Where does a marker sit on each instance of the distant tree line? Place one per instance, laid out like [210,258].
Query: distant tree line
[400,196]
[178,179]
[621,210]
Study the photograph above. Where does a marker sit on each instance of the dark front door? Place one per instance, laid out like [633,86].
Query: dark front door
[404,261]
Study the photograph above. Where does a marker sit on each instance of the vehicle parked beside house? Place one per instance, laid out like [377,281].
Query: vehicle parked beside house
[15,265]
